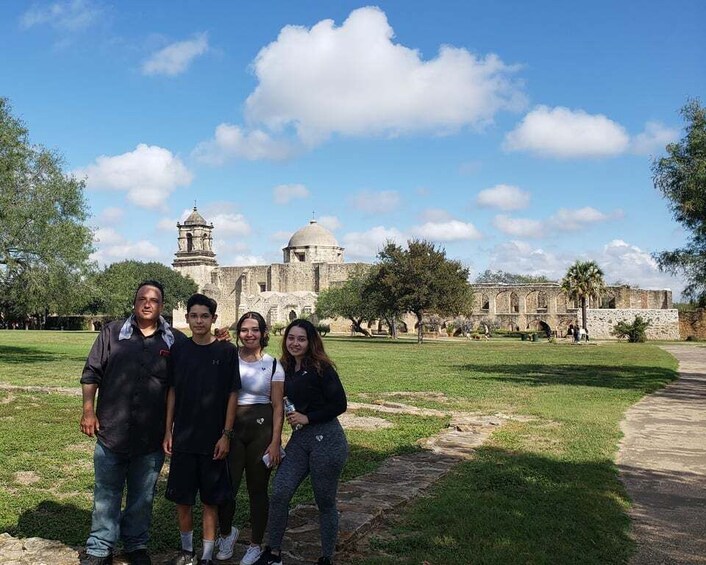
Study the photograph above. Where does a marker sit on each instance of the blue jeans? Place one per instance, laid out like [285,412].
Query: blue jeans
[113,471]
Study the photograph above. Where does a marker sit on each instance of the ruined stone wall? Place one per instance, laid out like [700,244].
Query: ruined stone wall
[692,324]
[664,324]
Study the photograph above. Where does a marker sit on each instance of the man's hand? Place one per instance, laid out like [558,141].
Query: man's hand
[89,423]
[222,448]
[167,443]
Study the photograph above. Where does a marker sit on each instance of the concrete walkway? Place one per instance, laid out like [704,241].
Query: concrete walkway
[662,462]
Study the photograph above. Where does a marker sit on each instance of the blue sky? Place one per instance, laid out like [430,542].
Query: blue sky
[517,135]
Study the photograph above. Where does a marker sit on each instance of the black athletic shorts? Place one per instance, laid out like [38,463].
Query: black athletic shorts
[191,472]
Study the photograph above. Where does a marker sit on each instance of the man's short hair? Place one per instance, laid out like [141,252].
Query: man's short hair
[202,300]
[150,282]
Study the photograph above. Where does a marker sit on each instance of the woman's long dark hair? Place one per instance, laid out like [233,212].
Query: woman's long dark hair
[264,333]
[315,357]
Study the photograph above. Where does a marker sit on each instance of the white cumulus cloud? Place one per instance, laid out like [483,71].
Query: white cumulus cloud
[519,227]
[366,244]
[355,80]
[330,222]
[504,197]
[376,202]
[285,193]
[564,133]
[231,142]
[148,175]
[111,246]
[175,58]
[231,224]
[653,139]
[452,230]
[575,219]
[619,260]
[111,215]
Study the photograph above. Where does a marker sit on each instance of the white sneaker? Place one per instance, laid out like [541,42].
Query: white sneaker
[226,545]
[251,555]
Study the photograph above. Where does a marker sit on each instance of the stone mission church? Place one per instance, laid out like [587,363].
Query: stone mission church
[313,261]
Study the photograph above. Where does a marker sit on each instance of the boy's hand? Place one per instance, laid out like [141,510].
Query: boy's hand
[167,443]
[222,448]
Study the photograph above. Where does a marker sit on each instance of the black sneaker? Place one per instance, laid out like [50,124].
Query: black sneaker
[324,561]
[184,558]
[268,558]
[95,560]
[138,557]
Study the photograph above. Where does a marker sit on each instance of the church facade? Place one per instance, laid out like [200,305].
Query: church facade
[313,261]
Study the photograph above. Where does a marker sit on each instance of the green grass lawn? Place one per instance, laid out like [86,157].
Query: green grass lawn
[543,489]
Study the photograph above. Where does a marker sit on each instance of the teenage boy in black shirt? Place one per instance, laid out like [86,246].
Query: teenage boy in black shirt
[204,379]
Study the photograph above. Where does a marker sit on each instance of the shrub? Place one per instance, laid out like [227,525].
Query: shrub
[277,329]
[635,332]
[323,329]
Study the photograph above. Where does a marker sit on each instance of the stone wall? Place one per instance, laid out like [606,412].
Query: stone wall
[693,324]
[664,324]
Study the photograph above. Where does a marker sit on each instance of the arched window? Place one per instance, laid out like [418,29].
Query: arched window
[541,301]
[189,242]
[514,303]
[485,302]
[292,315]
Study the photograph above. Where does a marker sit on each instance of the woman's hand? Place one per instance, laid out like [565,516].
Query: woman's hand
[296,418]
[273,450]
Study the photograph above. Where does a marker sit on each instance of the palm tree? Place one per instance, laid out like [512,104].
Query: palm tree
[583,280]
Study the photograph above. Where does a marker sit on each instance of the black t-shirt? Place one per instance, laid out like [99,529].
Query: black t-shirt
[320,397]
[203,376]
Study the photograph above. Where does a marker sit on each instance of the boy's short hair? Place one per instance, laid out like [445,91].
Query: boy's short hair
[202,300]
[149,282]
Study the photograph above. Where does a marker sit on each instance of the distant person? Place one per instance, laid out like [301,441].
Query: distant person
[128,364]
[570,332]
[582,335]
[317,447]
[201,405]
[257,432]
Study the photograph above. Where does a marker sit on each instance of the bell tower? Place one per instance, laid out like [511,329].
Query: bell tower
[195,256]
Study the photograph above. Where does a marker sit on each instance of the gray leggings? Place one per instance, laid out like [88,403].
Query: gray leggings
[318,450]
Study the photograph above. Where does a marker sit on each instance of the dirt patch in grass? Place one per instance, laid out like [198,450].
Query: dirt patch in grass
[26,477]
[352,421]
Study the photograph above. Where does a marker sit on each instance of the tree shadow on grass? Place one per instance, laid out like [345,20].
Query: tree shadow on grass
[514,507]
[23,355]
[646,379]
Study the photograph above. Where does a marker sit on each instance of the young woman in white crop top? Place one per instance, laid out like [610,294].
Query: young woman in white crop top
[257,432]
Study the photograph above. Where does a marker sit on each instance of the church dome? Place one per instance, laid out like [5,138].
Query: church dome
[312,235]
[195,219]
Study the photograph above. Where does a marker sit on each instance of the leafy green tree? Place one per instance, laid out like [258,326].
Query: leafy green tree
[501,277]
[582,281]
[424,281]
[681,178]
[114,287]
[635,332]
[44,244]
[382,300]
[346,301]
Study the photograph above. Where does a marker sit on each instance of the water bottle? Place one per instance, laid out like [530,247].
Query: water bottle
[288,409]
